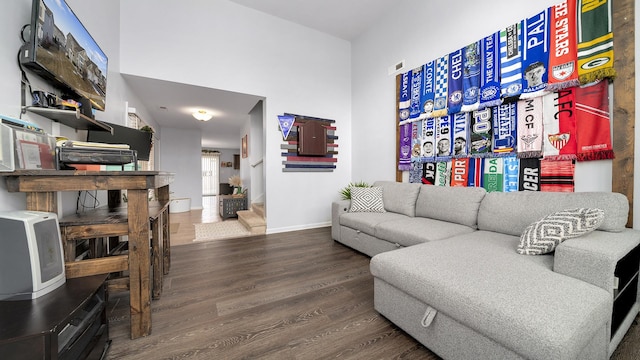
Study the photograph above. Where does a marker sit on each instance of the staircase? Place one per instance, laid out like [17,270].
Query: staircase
[253,219]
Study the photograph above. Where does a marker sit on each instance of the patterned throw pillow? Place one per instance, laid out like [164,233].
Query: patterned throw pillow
[544,235]
[366,199]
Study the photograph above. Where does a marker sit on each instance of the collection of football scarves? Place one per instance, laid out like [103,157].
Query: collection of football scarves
[513,111]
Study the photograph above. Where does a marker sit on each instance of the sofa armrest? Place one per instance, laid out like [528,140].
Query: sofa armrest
[593,257]
[338,208]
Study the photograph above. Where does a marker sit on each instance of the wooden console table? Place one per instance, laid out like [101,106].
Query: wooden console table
[41,186]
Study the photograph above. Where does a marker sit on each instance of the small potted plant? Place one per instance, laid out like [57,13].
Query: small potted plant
[148,129]
[236,182]
[345,192]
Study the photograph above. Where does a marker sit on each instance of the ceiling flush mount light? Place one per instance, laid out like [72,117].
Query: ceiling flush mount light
[202,115]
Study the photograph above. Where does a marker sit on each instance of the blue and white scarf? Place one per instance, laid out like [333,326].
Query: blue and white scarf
[429,140]
[415,108]
[511,62]
[441,92]
[428,88]
[416,141]
[404,97]
[455,83]
[535,54]
[505,129]
[490,75]
[511,172]
[443,138]
[471,77]
[460,135]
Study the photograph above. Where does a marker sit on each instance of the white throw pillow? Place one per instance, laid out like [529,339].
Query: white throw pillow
[366,199]
[544,235]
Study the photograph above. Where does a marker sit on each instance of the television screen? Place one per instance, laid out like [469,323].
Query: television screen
[136,139]
[62,50]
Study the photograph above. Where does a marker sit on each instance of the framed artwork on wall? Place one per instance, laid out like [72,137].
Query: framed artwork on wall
[245,151]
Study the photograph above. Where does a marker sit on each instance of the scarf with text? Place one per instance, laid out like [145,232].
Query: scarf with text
[460,172]
[441,89]
[443,171]
[490,74]
[511,172]
[429,139]
[557,175]
[530,130]
[559,125]
[493,179]
[511,62]
[460,135]
[416,141]
[404,97]
[455,83]
[404,161]
[429,173]
[592,122]
[443,138]
[595,41]
[404,102]
[416,90]
[471,77]
[563,55]
[476,172]
[428,88]
[529,175]
[481,132]
[535,54]
[505,129]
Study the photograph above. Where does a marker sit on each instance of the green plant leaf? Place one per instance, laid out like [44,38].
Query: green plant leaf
[345,192]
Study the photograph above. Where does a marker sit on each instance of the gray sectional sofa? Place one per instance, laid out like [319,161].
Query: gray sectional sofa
[447,272]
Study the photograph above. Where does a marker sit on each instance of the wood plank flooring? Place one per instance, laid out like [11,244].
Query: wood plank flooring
[296,295]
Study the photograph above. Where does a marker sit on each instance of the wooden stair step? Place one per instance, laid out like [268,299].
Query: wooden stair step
[252,221]
[258,208]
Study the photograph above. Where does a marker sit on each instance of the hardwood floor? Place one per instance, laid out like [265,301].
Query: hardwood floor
[296,295]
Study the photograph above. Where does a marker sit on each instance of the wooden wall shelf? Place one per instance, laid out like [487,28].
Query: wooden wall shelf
[71,118]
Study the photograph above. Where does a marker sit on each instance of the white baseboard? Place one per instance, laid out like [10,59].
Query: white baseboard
[296,228]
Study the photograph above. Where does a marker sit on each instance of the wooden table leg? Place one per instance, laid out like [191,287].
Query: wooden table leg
[157,250]
[163,196]
[139,262]
[42,201]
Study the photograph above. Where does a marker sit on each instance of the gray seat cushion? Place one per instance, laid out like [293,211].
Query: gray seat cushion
[454,204]
[417,230]
[479,280]
[512,212]
[367,222]
[399,197]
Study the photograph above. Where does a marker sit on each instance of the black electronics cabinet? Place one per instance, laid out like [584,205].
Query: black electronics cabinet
[68,323]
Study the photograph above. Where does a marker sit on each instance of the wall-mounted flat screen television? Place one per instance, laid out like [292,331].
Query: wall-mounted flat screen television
[138,140]
[60,49]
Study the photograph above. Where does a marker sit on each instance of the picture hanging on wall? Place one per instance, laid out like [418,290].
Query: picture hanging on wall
[245,151]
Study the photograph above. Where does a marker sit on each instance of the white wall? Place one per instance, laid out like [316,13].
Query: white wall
[423,33]
[182,156]
[101,18]
[256,154]
[226,155]
[222,45]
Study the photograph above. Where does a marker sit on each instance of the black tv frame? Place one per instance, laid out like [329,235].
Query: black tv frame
[65,60]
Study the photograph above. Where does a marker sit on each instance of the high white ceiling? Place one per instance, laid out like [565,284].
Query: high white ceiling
[171,104]
[345,19]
